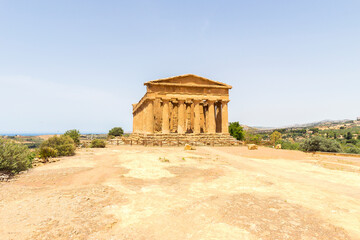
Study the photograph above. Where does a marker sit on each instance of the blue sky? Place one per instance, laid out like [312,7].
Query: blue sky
[81,64]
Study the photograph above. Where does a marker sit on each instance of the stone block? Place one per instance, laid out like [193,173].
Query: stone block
[189,147]
[252,147]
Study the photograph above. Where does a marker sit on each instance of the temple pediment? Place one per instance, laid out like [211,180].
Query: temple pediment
[189,80]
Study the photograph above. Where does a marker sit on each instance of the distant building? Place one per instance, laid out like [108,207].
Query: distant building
[358,119]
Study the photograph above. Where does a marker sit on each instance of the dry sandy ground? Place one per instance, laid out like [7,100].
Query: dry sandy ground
[125,192]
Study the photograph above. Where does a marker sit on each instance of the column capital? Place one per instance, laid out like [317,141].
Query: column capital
[224,101]
[196,100]
[181,100]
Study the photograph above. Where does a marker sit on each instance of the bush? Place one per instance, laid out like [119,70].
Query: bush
[57,147]
[236,131]
[251,138]
[14,157]
[97,143]
[75,135]
[349,148]
[352,149]
[116,131]
[47,152]
[288,145]
[320,144]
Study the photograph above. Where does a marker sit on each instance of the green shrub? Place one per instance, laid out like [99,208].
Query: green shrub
[97,143]
[288,145]
[47,152]
[320,144]
[251,138]
[236,131]
[57,147]
[349,148]
[75,135]
[116,131]
[14,157]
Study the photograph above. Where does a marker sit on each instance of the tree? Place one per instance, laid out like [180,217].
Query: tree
[14,157]
[275,136]
[236,131]
[74,134]
[349,136]
[116,131]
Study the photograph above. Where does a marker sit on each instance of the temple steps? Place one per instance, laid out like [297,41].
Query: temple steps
[174,139]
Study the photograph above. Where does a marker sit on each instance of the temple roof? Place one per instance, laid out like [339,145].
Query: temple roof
[189,80]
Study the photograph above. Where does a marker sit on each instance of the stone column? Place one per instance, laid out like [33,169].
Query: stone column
[202,118]
[225,119]
[197,116]
[206,119]
[134,122]
[141,119]
[150,116]
[137,121]
[192,115]
[181,117]
[218,117]
[188,117]
[165,117]
[212,125]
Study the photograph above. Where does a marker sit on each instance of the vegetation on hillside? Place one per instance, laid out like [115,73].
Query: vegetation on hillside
[345,139]
[29,141]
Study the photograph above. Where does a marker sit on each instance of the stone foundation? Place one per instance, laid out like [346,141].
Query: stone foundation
[174,139]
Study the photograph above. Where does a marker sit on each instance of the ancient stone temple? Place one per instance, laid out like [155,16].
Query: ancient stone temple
[185,108]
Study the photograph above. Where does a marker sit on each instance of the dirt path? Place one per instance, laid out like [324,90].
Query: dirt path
[168,193]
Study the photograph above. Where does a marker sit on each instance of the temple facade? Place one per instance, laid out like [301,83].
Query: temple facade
[183,104]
